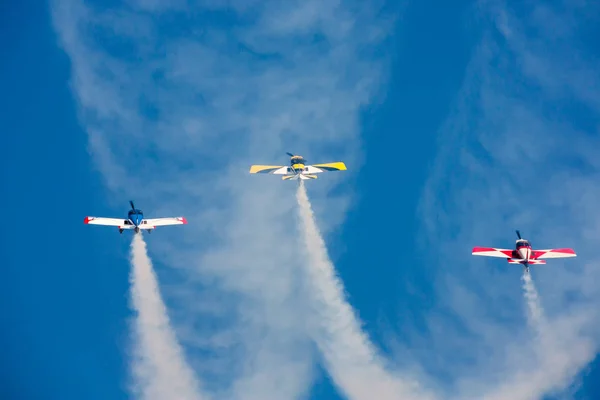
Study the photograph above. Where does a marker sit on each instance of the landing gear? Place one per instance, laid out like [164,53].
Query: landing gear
[121,231]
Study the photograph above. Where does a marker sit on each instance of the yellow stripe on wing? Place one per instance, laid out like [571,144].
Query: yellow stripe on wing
[334,166]
[264,169]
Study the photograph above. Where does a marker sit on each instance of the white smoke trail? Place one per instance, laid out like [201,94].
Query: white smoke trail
[534,307]
[159,368]
[351,359]
[555,356]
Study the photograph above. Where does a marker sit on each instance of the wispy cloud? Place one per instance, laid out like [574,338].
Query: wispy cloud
[159,367]
[178,100]
[521,145]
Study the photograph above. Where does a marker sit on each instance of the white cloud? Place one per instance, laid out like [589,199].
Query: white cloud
[178,103]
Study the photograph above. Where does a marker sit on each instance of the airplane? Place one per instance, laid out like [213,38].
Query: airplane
[135,220]
[298,170]
[523,253]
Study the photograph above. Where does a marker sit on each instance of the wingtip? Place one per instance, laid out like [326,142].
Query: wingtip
[86,220]
[567,251]
[183,220]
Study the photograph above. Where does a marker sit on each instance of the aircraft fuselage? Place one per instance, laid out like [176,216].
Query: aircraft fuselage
[135,218]
[297,164]
[522,253]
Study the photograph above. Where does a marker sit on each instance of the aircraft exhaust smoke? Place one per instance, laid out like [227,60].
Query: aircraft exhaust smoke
[351,359]
[159,368]
[534,307]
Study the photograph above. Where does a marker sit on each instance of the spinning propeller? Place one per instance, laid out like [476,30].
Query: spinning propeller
[518,234]
[132,206]
[293,155]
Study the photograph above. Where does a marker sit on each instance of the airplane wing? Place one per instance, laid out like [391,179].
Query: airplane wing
[554,253]
[269,169]
[492,252]
[120,222]
[152,223]
[318,168]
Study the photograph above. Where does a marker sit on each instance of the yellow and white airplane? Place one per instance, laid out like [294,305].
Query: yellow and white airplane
[297,169]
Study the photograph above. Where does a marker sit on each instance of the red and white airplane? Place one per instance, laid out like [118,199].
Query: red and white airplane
[523,253]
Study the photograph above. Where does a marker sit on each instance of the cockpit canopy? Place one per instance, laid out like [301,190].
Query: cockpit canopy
[134,212]
[523,243]
[297,160]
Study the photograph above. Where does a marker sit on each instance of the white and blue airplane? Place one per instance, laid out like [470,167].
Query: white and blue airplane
[135,220]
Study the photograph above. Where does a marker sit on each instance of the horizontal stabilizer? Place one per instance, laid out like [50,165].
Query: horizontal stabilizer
[530,262]
[298,176]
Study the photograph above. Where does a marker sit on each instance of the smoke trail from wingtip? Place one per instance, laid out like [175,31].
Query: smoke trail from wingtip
[159,368]
[351,359]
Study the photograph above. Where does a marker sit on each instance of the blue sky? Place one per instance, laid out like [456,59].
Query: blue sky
[458,126]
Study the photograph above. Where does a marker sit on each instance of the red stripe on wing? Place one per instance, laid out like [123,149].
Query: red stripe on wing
[564,251]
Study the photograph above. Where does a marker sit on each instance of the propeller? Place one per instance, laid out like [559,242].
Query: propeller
[293,155]
[131,203]
[518,234]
